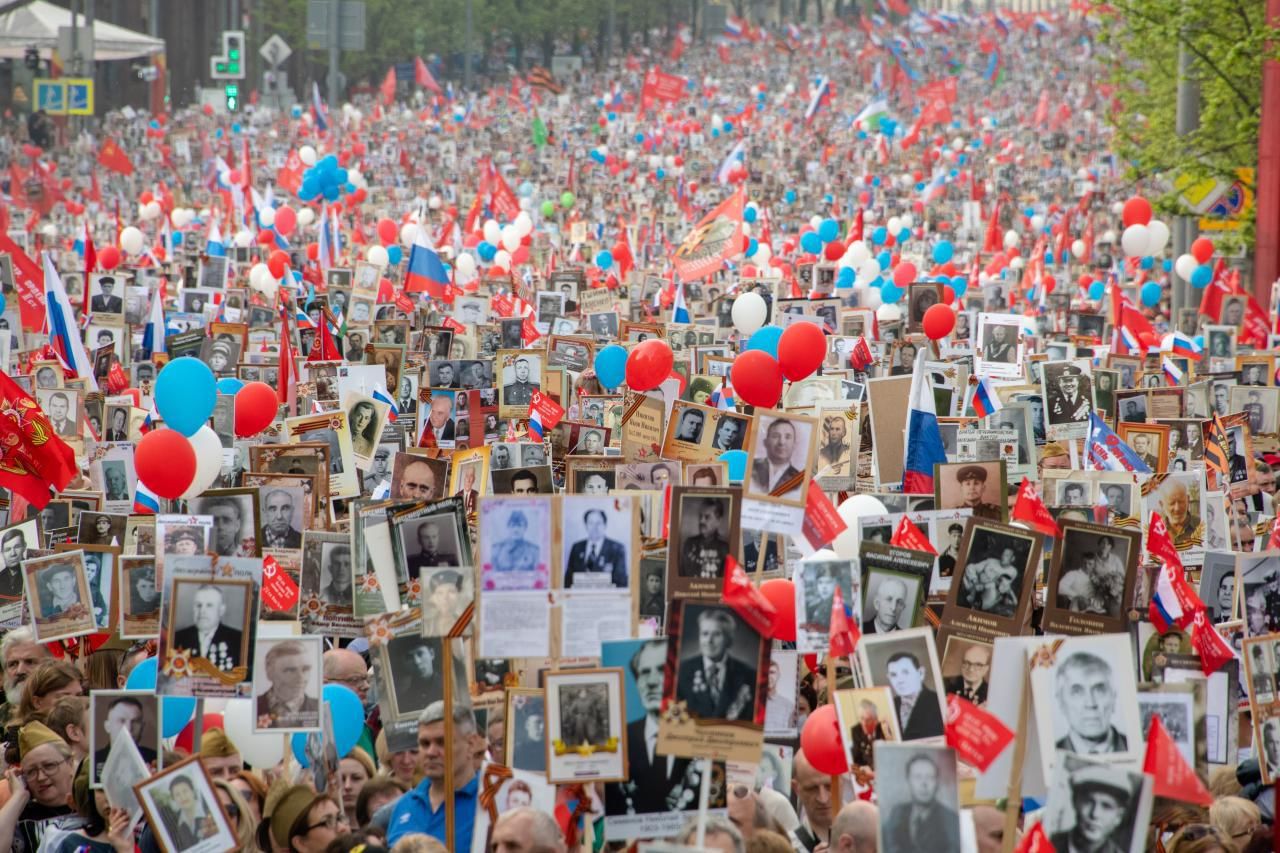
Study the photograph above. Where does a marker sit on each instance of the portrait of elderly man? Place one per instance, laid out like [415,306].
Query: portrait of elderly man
[922,823]
[777,470]
[888,602]
[1175,505]
[278,531]
[209,636]
[1085,691]
[290,671]
[1100,803]
[232,537]
[712,682]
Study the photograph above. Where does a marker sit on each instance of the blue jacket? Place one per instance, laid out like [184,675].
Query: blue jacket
[413,814]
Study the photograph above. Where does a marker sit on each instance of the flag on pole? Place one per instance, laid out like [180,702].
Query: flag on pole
[214,247]
[679,308]
[1108,452]
[380,394]
[817,97]
[426,271]
[924,447]
[60,320]
[33,458]
[91,261]
[1029,508]
[145,501]
[985,399]
[844,632]
[153,334]
[320,113]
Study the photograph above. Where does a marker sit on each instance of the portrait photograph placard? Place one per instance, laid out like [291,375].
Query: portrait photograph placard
[1096,805]
[136,713]
[697,433]
[184,812]
[779,467]
[1091,579]
[866,717]
[894,582]
[586,727]
[141,598]
[918,796]
[995,577]
[816,582]
[906,662]
[326,583]
[704,531]
[58,596]
[286,684]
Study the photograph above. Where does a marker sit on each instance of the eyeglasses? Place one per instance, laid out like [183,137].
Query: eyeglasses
[330,823]
[363,679]
[968,664]
[47,769]
[232,810]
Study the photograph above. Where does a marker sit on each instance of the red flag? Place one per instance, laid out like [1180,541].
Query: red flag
[422,76]
[33,458]
[845,633]
[28,279]
[661,86]
[1214,651]
[1160,544]
[549,411]
[977,735]
[323,348]
[861,357]
[715,239]
[1035,840]
[90,263]
[1030,508]
[909,536]
[285,374]
[1174,778]
[745,598]
[289,176]
[1211,301]
[113,157]
[388,87]
[993,241]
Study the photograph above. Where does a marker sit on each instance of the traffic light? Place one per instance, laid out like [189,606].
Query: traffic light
[32,59]
[232,92]
[230,64]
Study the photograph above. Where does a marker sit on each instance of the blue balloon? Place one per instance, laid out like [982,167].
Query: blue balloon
[1151,294]
[1166,264]
[766,339]
[1201,276]
[639,139]
[737,462]
[177,241]
[959,284]
[879,235]
[1200,341]
[660,174]
[331,193]
[142,676]
[186,392]
[611,366]
[884,259]
[229,385]
[395,254]
[1147,263]
[1096,290]
[604,259]
[845,277]
[486,250]
[715,133]
[943,251]
[752,246]
[596,155]
[904,235]
[890,292]
[811,242]
[829,230]
[178,710]
[790,196]
[728,127]
[749,214]
[348,723]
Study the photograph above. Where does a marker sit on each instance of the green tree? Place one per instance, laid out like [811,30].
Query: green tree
[1227,43]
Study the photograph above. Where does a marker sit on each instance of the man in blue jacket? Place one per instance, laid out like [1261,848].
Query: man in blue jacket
[422,809]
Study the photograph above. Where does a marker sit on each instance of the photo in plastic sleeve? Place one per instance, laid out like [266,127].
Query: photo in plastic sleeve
[918,797]
[907,663]
[184,812]
[586,729]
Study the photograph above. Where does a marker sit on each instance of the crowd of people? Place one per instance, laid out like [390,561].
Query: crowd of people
[699,449]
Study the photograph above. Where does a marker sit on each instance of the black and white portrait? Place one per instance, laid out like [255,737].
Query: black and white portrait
[416,672]
[995,571]
[780,457]
[816,582]
[1097,806]
[210,620]
[1086,700]
[596,540]
[705,527]
[717,662]
[907,663]
[1068,392]
[286,688]
[1094,572]
[689,424]
[134,712]
[527,731]
[282,511]
[235,521]
[918,798]
[891,601]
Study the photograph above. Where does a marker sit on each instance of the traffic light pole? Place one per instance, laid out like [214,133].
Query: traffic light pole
[335,21]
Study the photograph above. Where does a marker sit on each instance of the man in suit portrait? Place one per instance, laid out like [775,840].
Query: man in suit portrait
[776,468]
[714,684]
[13,550]
[971,683]
[277,518]
[187,820]
[1142,447]
[863,736]
[430,554]
[124,712]
[337,592]
[597,555]
[106,302]
[890,600]
[923,823]
[208,637]
[1086,697]
[919,712]
[59,414]
[286,703]
[1100,803]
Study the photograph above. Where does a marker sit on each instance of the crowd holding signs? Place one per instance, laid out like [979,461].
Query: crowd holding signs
[783,440]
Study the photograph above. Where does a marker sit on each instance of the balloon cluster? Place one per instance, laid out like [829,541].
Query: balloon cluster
[184,460]
[324,178]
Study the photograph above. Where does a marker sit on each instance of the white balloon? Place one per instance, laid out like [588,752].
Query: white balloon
[1077,249]
[908,221]
[820,555]
[510,239]
[890,312]
[1157,237]
[307,155]
[763,253]
[1010,238]
[748,312]
[846,545]
[408,233]
[1134,240]
[1037,222]
[238,718]
[377,256]
[868,270]
[259,273]
[857,254]
[151,210]
[492,231]
[49,231]
[894,225]
[306,216]
[523,224]
[869,297]
[131,240]
[1107,237]
[267,216]
[502,260]
[1184,266]
[466,265]
[208,448]
[1117,208]
[243,238]
[435,202]
[1017,263]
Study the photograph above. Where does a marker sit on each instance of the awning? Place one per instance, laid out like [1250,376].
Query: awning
[36,24]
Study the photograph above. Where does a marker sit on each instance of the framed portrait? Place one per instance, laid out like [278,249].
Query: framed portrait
[413,668]
[526,735]
[966,668]
[586,730]
[1068,396]
[921,296]
[57,589]
[286,683]
[995,576]
[894,581]
[237,526]
[867,717]
[140,591]
[417,477]
[325,601]
[704,531]
[1261,405]
[779,466]
[210,625]
[697,433]
[515,543]
[183,810]
[518,374]
[136,713]
[1091,579]
[998,350]
[816,582]
[906,663]
[528,480]
[906,772]
[598,542]
[978,486]
[100,564]
[1217,587]
[1084,788]
[1150,441]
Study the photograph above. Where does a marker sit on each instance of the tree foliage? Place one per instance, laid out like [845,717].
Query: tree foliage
[1227,41]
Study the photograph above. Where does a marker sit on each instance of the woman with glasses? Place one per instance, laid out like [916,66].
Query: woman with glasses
[104,829]
[238,811]
[302,822]
[40,789]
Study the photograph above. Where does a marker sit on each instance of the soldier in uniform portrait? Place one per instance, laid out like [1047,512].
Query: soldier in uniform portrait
[703,555]
[1069,396]
[515,553]
[520,392]
[973,481]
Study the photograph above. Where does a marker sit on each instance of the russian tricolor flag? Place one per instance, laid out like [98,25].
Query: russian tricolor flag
[820,91]
[679,308]
[426,272]
[722,397]
[733,28]
[535,424]
[380,394]
[924,447]
[215,248]
[60,320]
[1171,371]
[1183,346]
[145,501]
[985,399]
[317,106]
[153,334]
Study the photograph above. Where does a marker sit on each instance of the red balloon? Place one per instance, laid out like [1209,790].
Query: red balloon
[256,407]
[186,738]
[757,378]
[834,250]
[801,350]
[1137,211]
[387,231]
[108,257]
[277,262]
[286,220]
[313,251]
[820,742]
[939,320]
[904,273]
[782,595]
[266,237]
[166,462]
[649,364]
[1202,249]
[147,197]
